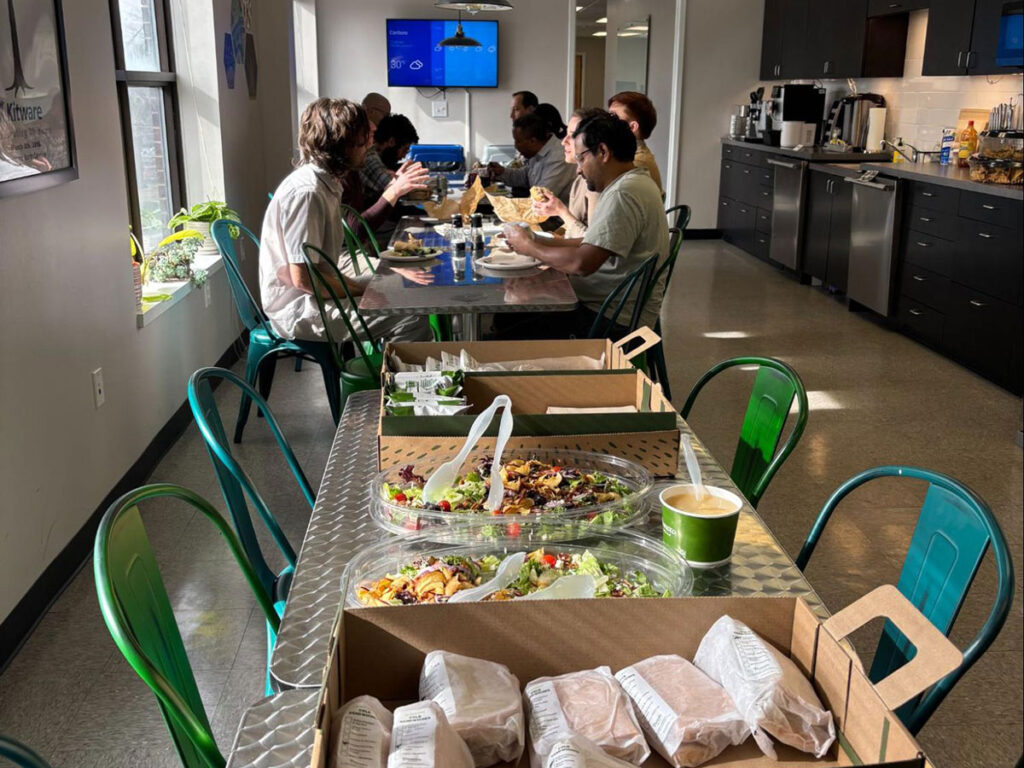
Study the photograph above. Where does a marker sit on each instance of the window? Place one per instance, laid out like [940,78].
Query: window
[148,98]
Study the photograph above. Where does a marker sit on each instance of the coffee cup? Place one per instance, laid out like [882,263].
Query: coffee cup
[703,531]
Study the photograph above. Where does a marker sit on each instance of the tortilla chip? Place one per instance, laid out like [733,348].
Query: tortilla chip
[411,244]
[443,210]
[515,209]
[539,193]
[471,198]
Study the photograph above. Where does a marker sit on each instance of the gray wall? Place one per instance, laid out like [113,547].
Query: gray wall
[532,56]
[66,303]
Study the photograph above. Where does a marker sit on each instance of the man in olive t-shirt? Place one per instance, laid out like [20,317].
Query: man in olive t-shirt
[627,227]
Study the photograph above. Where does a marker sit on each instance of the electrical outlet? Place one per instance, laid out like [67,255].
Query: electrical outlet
[439,108]
[99,392]
[206,293]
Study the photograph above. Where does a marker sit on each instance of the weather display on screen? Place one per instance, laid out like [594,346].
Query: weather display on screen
[416,58]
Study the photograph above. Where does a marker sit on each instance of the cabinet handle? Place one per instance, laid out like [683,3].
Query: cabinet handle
[925,219]
[971,54]
[725,204]
[828,64]
[977,303]
[747,171]
[895,5]
[923,245]
[920,278]
[744,210]
[959,59]
[927,194]
[916,312]
[988,207]
[986,235]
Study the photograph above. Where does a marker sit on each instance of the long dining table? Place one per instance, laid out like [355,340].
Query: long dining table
[340,526]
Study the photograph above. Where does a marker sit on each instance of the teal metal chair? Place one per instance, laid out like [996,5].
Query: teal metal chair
[19,754]
[678,217]
[637,283]
[137,611]
[236,485]
[954,530]
[361,372]
[264,344]
[776,385]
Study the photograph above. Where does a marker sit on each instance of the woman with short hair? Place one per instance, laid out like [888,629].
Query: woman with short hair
[576,214]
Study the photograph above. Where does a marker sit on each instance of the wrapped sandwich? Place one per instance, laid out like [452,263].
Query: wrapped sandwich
[769,690]
[580,752]
[423,738]
[360,734]
[687,717]
[591,704]
[481,701]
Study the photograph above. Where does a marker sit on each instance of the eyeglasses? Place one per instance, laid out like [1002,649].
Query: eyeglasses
[581,155]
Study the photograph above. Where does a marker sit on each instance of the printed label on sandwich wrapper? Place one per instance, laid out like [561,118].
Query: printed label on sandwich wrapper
[546,717]
[566,755]
[413,735]
[659,715]
[756,660]
[361,738]
[437,686]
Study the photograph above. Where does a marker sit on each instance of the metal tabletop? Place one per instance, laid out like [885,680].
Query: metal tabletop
[277,732]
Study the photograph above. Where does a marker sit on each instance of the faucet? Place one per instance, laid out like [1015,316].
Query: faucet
[916,153]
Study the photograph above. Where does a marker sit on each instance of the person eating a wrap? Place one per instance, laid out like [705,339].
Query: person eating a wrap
[627,227]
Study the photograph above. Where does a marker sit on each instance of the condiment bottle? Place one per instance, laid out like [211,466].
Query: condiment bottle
[476,232]
[458,233]
[968,144]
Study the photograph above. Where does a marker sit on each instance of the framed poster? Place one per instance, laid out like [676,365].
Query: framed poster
[37,147]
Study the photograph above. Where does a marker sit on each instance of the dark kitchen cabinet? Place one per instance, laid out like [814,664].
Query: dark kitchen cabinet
[834,41]
[948,37]
[985,39]
[826,253]
[984,334]
[783,39]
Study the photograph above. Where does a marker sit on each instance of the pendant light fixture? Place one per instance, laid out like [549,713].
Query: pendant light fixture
[474,7]
[459,39]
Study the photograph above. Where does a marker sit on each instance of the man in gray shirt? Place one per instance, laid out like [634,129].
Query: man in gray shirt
[627,227]
[545,160]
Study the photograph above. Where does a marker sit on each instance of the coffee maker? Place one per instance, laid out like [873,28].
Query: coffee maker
[848,120]
[798,102]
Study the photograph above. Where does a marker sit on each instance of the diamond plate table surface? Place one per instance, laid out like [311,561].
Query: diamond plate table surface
[278,731]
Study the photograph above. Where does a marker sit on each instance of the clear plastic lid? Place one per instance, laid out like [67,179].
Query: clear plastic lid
[630,552]
[631,483]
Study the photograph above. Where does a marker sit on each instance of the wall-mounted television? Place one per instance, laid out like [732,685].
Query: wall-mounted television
[416,58]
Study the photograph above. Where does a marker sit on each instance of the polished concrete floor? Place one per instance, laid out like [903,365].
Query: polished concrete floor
[876,398]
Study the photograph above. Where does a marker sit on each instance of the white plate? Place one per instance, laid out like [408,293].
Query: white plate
[508,261]
[399,257]
[428,220]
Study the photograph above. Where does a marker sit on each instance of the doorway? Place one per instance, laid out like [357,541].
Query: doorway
[589,70]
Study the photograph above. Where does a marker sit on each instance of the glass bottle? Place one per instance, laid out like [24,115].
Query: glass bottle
[476,232]
[968,144]
[458,233]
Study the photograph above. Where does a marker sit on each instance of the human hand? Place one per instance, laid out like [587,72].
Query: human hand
[417,276]
[517,237]
[495,169]
[549,205]
[411,176]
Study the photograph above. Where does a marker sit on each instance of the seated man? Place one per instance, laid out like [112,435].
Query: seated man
[638,110]
[545,160]
[391,142]
[334,135]
[523,103]
[627,227]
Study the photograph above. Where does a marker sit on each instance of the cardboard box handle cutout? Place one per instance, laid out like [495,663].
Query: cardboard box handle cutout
[650,338]
[936,656]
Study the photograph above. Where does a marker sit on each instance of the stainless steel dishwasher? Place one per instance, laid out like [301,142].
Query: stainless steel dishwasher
[787,211]
[873,233]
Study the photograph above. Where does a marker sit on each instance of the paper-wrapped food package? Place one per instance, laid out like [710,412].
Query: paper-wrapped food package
[687,717]
[471,197]
[361,734]
[515,209]
[423,738]
[769,690]
[591,704]
[443,210]
[481,701]
[580,752]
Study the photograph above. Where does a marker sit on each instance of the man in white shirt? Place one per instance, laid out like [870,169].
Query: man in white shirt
[545,160]
[334,135]
[627,227]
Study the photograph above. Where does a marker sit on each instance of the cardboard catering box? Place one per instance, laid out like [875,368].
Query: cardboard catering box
[379,652]
[649,436]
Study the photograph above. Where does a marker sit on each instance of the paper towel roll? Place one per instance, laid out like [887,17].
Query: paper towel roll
[876,128]
[792,133]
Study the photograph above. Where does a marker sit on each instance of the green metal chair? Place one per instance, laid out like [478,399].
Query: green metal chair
[954,530]
[657,354]
[19,754]
[606,324]
[264,344]
[679,217]
[236,485]
[775,387]
[137,611]
[361,372]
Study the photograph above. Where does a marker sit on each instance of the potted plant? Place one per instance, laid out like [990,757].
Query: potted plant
[200,218]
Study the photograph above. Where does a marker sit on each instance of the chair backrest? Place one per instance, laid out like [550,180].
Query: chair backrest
[679,217]
[249,309]
[775,387]
[637,284]
[358,245]
[235,483]
[954,530]
[316,263]
[675,242]
[138,613]
[19,754]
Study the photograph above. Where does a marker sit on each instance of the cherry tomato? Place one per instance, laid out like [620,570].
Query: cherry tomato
[556,469]
[445,505]
[513,529]
[400,497]
[550,560]
[412,525]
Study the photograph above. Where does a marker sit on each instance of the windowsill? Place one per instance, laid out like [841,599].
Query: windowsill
[177,290]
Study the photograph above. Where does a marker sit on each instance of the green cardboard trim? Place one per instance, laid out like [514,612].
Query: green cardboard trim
[530,425]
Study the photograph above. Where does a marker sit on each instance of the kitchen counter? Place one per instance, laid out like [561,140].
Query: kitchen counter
[946,176]
[812,154]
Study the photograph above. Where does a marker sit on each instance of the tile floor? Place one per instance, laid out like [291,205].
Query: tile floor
[876,398]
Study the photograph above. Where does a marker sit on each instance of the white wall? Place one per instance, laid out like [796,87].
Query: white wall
[532,43]
[721,59]
[67,307]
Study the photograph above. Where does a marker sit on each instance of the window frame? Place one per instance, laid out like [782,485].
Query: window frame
[167,81]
